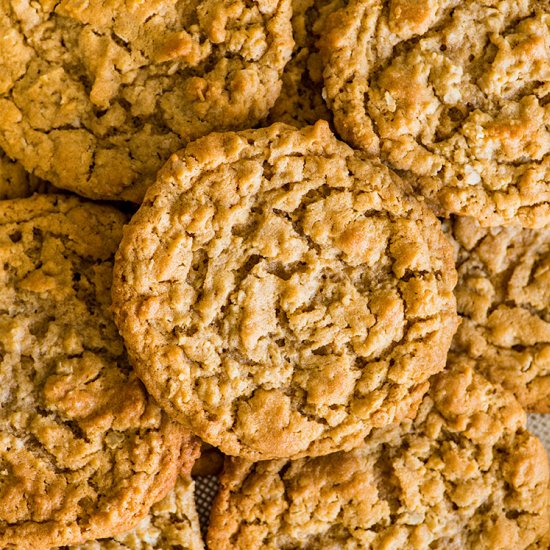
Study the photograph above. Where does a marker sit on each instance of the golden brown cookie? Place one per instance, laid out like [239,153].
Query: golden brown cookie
[454,93]
[301,99]
[172,524]
[464,474]
[96,95]
[84,451]
[281,294]
[15,182]
[503,296]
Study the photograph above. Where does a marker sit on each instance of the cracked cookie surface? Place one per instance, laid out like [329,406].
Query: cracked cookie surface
[503,296]
[464,474]
[282,295]
[96,95]
[455,94]
[84,451]
[171,524]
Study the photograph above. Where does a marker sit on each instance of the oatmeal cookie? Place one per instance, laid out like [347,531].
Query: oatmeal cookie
[172,524]
[84,451]
[301,101]
[464,474]
[281,295]
[503,296]
[455,94]
[96,95]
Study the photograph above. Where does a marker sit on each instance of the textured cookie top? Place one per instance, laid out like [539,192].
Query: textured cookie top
[172,524]
[96,95]
[464,474]
[282,295]
[456,96]
[15,182]
[503,295]
[301,101]
[84,451]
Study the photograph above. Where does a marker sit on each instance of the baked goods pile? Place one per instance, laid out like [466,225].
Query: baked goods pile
[311,234]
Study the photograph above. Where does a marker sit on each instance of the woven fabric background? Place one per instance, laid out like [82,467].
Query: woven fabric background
[539,424]
[205,491]
[206,487]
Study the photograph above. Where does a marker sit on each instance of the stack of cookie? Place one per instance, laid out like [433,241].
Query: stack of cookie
[313,235]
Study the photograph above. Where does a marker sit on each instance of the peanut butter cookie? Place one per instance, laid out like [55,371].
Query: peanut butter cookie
[84,451]
[281,294]
[464,474]
[455,94]
[96,95]
[503,296]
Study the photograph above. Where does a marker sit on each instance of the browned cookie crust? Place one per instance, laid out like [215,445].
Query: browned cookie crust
[84,451]
[171,524]
[96,95]
[301,99]
[455,93]
[282,295]
[15,182]
[465,474]
[503,296]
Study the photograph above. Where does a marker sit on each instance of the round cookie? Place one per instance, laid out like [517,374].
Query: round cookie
[172,524]
[455,94]
[84,451]
[15,182]
[281,295]
[96,95]
[301,102]
[464,474]
[503,296]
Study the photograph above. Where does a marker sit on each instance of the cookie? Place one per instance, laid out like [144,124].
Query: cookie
[301,102]
[503,296]
[464,474]
[84,450]
[15,182]
[281,295]
[172,524]
[453,93]
[95,96]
